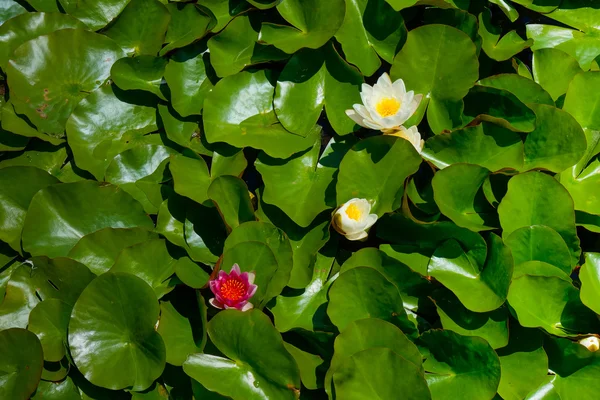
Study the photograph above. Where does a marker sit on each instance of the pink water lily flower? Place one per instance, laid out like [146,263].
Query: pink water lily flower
[233,290]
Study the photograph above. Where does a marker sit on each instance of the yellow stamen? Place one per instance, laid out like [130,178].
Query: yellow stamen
[233,289]
[387,106]
[353,212]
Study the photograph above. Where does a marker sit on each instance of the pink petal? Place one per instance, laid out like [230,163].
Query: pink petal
[215,286]
[235,270]
[222,275]
[251,290]
[215,303]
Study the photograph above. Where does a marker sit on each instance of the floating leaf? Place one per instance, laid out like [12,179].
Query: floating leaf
[22,363]
[499,49]
[313,80]
[258,365]
[231,196]
[48,87]
[314,23]
[114,319]
[65,213]
[452,70]
[590,281]
[49,321]
[93,13]
[140,73]
[187,25]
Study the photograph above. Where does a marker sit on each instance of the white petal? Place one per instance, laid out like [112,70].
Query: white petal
[357,236]
[247,306]
[408,98]
[251,277]
[356,117]
[415,103]
[373,124]
[213,302]
[399,87]
[362,110]
[370,220]
[384,80]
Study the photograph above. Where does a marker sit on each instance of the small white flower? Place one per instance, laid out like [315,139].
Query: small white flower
[412,135]
[353,219]
[591,343]
[386,105]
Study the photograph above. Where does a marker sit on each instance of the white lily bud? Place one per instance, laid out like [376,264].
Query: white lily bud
[412,135]
[386,105]
[591,343]
[353,219]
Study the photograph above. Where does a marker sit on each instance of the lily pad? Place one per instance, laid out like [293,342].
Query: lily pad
[460,366]
[18,185]
[21,363]
[49,321]
[140,73]
[375,169]
[452,70]
[535,198]
[59,216]
[314,23]
[188,24]
[239,111]
[258,365]
[313,80]
[48,87]
[315,176]
[590,281]
[95,14]
[141,27]
[231,196]
[113,324]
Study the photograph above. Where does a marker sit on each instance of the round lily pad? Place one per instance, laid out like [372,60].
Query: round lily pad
[21,363]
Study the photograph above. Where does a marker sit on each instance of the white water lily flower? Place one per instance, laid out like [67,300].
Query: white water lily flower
[353,219]
[591,343]
[386,105]
[412,135]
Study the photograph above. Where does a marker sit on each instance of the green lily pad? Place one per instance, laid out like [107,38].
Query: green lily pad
[21,363]
[258,365]
[231,196]
[459,366]
[113,320]
[313,24]
[140,73]
[413,287]
[313,80]
[48,87]
[187,75]
[308,364]
[239,111]
[496,47]
[105,124]
[481,288]
[535,198]
[369,333]
[498,106]
[454,316]
[95,14]
[20,125]
[539,243]
[141,27]
[553,69]
[19,299]
[544,149]
[584,47]
[182,326]
[223,11]
[264,249]
[489,145]
[99,250]
[10,9]
[28,26]
[452,70]
[375,169]
[524,362]
[525,89]
[191,274]
[363,292]
[370,374]
[551,303]
[306,310]
[65,390]
[190,177]
[188,24]
[590,281]
[457,191]
[314,173]
[371,29]
[18,185]
[60,215]
[49,321]
[199,230]
[149,261]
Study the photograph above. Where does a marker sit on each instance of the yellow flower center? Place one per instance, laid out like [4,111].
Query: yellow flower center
[233,289]
[387,106]
[353,212]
